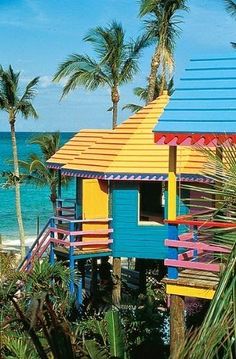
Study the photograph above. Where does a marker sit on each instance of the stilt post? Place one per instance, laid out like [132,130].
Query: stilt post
[177,324]
[116,290]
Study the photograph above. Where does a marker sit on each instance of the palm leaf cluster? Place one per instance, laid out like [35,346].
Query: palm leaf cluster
[34,169]
[162,28]
[11,99]
[231,8]
[142,93]
[115,63]
[215,338]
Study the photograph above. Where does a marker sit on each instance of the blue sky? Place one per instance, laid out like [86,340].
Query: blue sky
[36,35]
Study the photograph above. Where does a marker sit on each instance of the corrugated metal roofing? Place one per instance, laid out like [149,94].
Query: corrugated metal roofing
[129,152]
[204,102]
[76,145]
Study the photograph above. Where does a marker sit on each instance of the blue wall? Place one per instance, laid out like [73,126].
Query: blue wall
[130,238]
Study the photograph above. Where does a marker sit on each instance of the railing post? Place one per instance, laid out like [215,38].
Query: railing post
[173,252]
[52,235]
[27,258]
[195,239]
[71,258]
[109,234]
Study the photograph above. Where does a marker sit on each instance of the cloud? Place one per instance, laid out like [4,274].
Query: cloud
[45,81]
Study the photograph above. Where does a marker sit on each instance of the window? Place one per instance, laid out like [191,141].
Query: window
[151,202]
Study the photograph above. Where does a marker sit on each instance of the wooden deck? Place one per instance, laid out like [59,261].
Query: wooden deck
[85,253]
[193,283]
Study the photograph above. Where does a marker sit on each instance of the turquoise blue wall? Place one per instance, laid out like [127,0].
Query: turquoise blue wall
[130,238]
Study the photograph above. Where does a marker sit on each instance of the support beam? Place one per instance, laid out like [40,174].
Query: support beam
[116,291]
[172,183]
[79,184]
[177,322]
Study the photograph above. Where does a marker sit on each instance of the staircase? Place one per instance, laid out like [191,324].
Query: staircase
[37,249]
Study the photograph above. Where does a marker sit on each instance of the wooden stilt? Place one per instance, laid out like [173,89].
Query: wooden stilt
[177,324]
[116,291]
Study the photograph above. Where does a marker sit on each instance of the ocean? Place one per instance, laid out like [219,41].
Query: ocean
[36,205]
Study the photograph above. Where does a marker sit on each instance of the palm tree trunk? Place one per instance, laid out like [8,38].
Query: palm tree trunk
[153,75]
[17,188]
[53,198]
[115,97]
[116,291]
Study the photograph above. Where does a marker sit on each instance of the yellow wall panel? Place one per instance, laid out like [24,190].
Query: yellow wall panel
[95,205]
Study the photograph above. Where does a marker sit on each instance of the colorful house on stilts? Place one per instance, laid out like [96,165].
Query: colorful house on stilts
[120,200]
[200,112]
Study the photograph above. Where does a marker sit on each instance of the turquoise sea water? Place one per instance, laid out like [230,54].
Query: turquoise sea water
[35,201]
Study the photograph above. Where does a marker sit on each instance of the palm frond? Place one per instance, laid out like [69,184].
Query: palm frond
[26,109]
[231,7]
[132,107]
[30,90]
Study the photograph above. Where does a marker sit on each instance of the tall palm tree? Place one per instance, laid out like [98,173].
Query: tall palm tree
[35,167]
[116,63]
[161,28]
[14,103]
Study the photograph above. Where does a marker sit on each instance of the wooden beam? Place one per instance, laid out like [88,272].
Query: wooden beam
[177,324]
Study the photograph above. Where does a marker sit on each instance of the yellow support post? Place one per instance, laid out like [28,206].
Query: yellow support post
[172,183]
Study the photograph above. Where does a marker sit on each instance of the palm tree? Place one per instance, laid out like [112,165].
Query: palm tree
[17,104]
[116,63]
[142,93]
[35,167]
[162,29]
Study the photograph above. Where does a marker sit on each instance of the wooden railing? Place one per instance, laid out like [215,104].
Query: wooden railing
[71,238]
[194,250]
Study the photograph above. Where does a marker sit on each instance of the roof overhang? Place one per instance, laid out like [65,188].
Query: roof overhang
[194,139]
[134,176]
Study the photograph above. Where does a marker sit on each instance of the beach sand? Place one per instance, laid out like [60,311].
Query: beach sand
[14,244]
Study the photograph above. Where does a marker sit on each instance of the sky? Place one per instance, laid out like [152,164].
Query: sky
[36,35]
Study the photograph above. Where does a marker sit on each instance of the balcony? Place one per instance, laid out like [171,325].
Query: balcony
[194,260]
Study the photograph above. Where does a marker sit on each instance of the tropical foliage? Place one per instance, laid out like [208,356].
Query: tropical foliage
[115,64]
[142,94]
[15,103]
[35,170]
[40,317]
[216,336]
[162,27]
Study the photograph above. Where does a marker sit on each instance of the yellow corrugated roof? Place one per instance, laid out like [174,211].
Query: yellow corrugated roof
[130,148]
[76,145]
